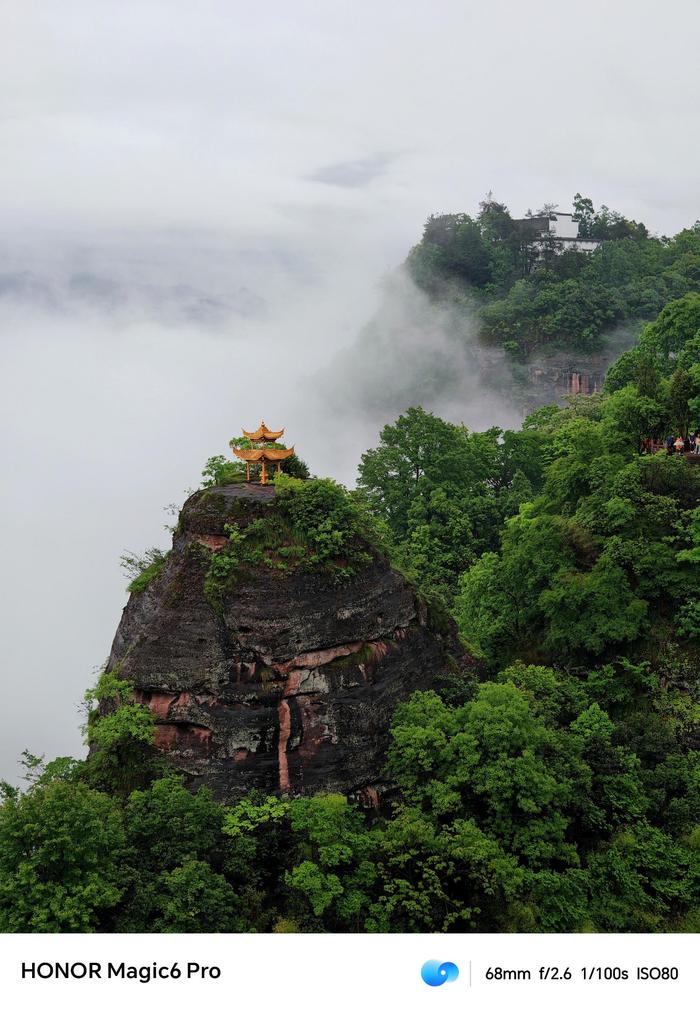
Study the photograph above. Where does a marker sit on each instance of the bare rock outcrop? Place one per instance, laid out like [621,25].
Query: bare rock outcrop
[289,684]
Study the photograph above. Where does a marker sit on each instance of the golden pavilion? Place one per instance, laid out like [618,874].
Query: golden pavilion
[261,452]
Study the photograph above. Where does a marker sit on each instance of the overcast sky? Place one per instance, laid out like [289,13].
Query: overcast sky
[199,204]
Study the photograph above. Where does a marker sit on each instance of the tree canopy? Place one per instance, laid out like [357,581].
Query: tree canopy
[528,293]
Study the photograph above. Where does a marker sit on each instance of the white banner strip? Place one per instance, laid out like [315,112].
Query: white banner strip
[353,972]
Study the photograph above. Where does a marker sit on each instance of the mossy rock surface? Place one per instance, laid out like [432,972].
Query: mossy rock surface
[289,684]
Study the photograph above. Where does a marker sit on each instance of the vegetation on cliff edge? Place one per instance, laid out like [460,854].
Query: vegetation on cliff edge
[529,295]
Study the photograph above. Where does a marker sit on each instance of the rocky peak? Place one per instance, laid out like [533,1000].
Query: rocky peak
[286,677]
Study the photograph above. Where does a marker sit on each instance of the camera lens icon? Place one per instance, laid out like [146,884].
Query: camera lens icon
[435,973]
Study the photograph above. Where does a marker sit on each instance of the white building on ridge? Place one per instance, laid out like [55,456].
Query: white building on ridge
[560,228]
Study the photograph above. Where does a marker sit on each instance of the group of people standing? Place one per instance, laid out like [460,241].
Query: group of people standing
[674,445]
[683,444]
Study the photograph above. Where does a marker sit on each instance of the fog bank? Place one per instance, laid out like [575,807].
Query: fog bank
[115,389]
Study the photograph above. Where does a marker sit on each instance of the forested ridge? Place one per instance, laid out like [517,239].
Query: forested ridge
[529,295]
[557,789]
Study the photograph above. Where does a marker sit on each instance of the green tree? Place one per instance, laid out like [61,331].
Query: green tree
[451,877]
[644,881]
[489,760]
[682,390]
[61,859]
[676,324]
[444,491]
[334,870]
[219,470]
[120,733]
[194,898]
[410,458]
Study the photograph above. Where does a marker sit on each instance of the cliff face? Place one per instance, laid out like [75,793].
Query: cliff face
[564,378]
[549,378]
[288,683]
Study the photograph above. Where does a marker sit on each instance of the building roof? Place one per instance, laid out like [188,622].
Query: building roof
[263,433]
[264,453]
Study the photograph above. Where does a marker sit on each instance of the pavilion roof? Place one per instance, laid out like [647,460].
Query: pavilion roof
[262,432]
[264,453]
